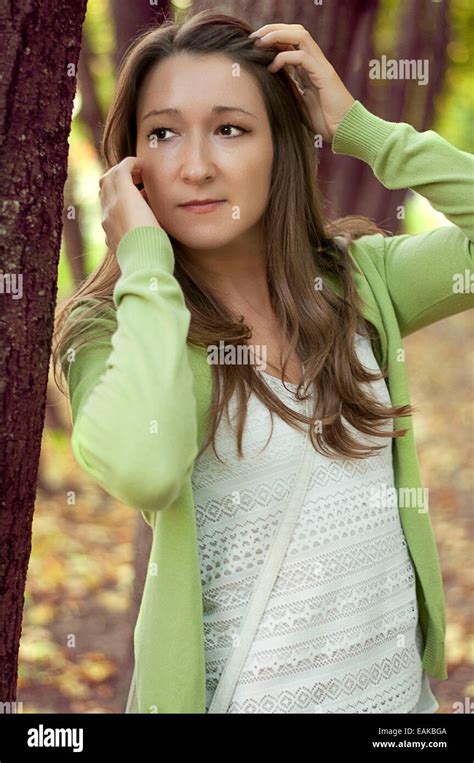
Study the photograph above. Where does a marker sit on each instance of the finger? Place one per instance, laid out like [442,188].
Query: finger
[131,166]
[305,81]
[130,162]
[266,28]
[286,36]
[295,35]
[278,45]
[295,57]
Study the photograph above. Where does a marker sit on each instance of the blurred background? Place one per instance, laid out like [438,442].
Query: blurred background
[89,554]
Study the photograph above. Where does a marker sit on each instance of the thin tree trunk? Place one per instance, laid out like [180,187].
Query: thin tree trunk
[73,241]
[132,18]
[91,112]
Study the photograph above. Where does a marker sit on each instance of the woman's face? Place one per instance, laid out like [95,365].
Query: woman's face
[204,152]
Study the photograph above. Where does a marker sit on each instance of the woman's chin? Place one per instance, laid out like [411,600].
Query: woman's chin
[205,239]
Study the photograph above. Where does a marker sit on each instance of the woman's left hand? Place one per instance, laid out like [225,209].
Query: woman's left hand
[325,95]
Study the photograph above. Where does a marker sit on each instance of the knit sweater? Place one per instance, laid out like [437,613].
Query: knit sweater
[140,396]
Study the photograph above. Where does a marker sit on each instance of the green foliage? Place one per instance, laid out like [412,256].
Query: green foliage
[455,104]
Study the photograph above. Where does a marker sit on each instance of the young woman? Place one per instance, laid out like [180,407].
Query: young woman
[293,565]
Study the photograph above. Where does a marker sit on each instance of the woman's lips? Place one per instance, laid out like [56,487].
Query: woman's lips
[201,209]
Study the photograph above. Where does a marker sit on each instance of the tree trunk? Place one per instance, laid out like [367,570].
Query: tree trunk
[40,47]
[91,112]
[132,18]
[73,241]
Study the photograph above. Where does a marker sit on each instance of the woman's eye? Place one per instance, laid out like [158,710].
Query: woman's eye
[157,130]
[233,127]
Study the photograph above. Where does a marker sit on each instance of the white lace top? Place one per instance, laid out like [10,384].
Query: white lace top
[340,631]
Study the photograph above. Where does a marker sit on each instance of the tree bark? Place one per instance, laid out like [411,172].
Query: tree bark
[91,112]
[40,46]
[73,241]
[132,18]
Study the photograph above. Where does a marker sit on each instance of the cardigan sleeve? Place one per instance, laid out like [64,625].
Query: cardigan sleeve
[428,276]
[131,390]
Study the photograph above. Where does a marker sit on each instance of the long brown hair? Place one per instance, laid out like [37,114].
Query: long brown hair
[301,246]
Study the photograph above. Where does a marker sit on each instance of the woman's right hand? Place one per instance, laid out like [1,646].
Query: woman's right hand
[123,205]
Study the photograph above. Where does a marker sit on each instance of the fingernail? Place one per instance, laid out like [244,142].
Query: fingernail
[253,34]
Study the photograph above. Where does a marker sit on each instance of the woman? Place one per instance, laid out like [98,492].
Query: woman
[281,579]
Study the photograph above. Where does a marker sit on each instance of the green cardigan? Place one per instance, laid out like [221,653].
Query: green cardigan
[141,394]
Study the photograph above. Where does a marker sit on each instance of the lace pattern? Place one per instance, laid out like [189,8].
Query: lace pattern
[340,631]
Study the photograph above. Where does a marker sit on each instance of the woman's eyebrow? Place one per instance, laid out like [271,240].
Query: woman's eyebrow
[215,110]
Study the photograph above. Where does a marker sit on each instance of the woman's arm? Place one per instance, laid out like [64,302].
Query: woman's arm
[428,276]
[424,273]
[133,405]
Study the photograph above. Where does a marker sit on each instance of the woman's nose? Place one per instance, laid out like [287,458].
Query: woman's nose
[197,162]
